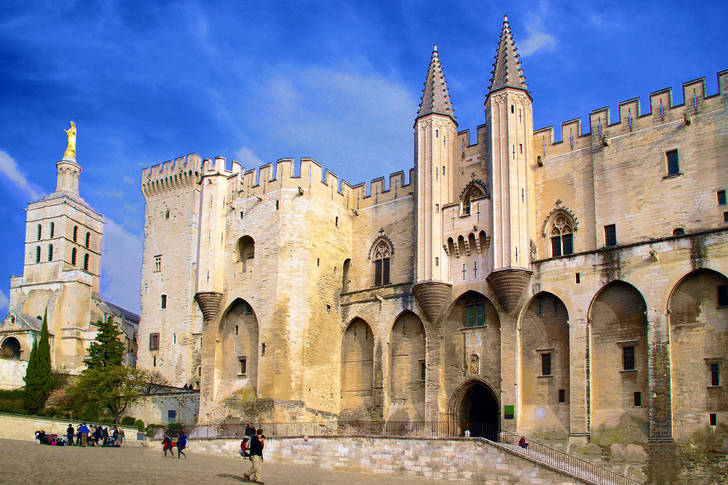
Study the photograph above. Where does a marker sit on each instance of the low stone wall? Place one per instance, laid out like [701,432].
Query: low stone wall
[437,459]
[155,409]
[12,373]
[15,427]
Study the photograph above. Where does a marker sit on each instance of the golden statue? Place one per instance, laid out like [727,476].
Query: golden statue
[71,148]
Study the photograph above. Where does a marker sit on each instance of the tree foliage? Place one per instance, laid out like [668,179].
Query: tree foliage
[107,350]
[38,379]
[110,387]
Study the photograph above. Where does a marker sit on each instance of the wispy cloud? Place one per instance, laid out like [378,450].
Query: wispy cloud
[3,302]
[121,266]
[248,158]
[9,168]
[537,40]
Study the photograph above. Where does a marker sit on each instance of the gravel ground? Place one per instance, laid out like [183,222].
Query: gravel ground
[25,462]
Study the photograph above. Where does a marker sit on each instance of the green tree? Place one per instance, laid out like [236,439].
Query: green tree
[112,387]
[38,375]
[107,350]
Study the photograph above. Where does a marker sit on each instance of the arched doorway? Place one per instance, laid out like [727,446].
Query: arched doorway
[475,408]
[357,372]
[10,349]
[407,369]
[236,359]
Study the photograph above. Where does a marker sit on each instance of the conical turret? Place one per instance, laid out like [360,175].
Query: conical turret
[435,97]
[507,71]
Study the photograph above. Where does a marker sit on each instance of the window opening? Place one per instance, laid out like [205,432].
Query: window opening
[578,278]
[53,229]
[475,315]
[713,419]
[715,374]
[562,238]
[174,338]
[381,263]
[628,358]
[673,162]
[164,301]
[721,197]
[679,231]
[243,365]
[562,395]
[157,263]
[637,399]
[50,252]
[75,233]
[546,364]
[153,341]
[85,262]
[423,370]
[336,221]
[610,235]
[154,361]
[722,295]
[73,256]
[88,239]
[40,232]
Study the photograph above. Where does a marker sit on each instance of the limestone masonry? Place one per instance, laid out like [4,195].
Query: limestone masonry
[509,281]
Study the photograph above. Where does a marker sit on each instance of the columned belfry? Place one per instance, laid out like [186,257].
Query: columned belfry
[509,124]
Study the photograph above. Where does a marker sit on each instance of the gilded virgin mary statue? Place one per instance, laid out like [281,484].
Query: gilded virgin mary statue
[71,148]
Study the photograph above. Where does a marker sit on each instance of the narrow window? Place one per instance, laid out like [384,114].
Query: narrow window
[277,205]
[423,370]
[262,349]
[546,364]
[153,341]
[243,365]
[157,263]
[37,254]
[88,239]
[381,263]
[637,399]
[715,374]
[610,235]
[241,214]
[556,246]
[236,330]
[628,358]
[40,232]
[562,395]
[166,214]
[154,361]
[437,207]
[513,109]
[171,415]
[578,278]
[443,169]
[75,233]
[562,238]
[50,252]
[164,301]
[437,133]
[725,218]
[53,229]
[721,198]
[336,221]
[174,338]
[722,295]
[437,261]
[475,315]
[673,162]
[85,262]
[73,257]
[713,419]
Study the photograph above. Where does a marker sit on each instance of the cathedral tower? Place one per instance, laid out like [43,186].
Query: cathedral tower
[435,136]
[509,122]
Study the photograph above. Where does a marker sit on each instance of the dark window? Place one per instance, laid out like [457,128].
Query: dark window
[568,242]
[721,197]
[236,330]
[678,232]
[562,395]
[53,229]
[628,357]
[722,295]
[475,315]
[85,262]
[336,221]
[381,264]
[725,217]
[556,246]
[37,254]
[164,301]
[673,163]
[637,399]
[545,364]
[610,235]
[171,414]
[154,341]
[75,233]
[243,365]
[248,309]
[715,374]
[50,252]
[578,278]
[40,232]
[276,205]
[88,239]
[423,370]
[154,361]
[73,256]
[713,419]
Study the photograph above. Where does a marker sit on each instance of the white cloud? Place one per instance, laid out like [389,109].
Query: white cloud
[3,302]
[536,41]
[9,168]
[121,266]
[248,158]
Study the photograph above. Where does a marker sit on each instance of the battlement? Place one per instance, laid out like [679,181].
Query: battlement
[631,118]
[171,175]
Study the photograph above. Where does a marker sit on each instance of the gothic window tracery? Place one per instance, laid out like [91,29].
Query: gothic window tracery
[473,191]
[382,253]
[562,236]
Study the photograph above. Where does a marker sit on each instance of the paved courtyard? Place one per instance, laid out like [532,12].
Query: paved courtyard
[25,462]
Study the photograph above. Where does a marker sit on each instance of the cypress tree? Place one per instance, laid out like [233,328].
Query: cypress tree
[38,375]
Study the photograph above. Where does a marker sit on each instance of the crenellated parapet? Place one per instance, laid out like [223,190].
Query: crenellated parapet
[171,175]
[630,118]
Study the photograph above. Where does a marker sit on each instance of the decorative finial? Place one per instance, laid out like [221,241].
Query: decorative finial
[434,47]
[71,148]
[505,18]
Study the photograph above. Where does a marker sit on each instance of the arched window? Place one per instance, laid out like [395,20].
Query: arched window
[53,229]
[75,233]
[382,253]
[50,252]
[40,232]
[73,256]
[88,239]
[37,254]
[246,252]
[345,275]
[474,190]
[85,262]
[562,236]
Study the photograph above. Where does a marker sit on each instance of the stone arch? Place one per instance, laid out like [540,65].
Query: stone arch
[407,343]
[698,327]
[10,349]
[345,278]
[236,353]
[545,365]
[618,356]
[474,406]
[357,371]
[245,251]
[475,189]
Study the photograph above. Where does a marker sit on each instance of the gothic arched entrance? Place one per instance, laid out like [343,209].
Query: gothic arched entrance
[475,407]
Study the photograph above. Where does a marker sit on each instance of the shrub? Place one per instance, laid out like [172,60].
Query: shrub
[127,421]
[139,424]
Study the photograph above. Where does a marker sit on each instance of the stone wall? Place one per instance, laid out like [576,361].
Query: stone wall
[12,373]
[436,459]
[14,427]
[156,409]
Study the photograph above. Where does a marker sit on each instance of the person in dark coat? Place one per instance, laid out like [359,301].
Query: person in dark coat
[69,434]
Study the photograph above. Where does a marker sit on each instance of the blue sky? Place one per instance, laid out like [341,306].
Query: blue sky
[257,81]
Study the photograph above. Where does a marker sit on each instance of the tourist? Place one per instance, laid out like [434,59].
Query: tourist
[121,437]
[522,442]
[467,433]
[181,445]
[257,443]
[105,436]
[69,434]
[167,445]
[83,430]
[249,430]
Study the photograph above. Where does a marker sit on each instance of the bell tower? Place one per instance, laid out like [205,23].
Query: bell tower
[435,135]
[509,122]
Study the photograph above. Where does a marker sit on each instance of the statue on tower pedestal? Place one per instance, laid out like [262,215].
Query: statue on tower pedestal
[71,148]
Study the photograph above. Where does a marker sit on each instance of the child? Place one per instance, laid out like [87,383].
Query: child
[244,452]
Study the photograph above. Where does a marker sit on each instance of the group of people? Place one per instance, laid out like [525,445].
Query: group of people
[168,445]
[251,447]
[83,436]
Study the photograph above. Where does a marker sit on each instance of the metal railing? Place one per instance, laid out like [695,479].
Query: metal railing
[559,460]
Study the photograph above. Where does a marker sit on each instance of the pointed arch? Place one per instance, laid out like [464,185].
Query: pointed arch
[474,405]
[381,253]
[245,252]
[236,352]
[357,370]
[475,190]
[407,368]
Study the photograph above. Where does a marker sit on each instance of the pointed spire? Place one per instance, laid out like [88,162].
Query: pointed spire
[435,97]
[507,71]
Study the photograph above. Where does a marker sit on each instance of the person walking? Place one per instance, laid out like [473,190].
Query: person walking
[181,445]
[256,457]
[69,434]
[121,437]
[167,445]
